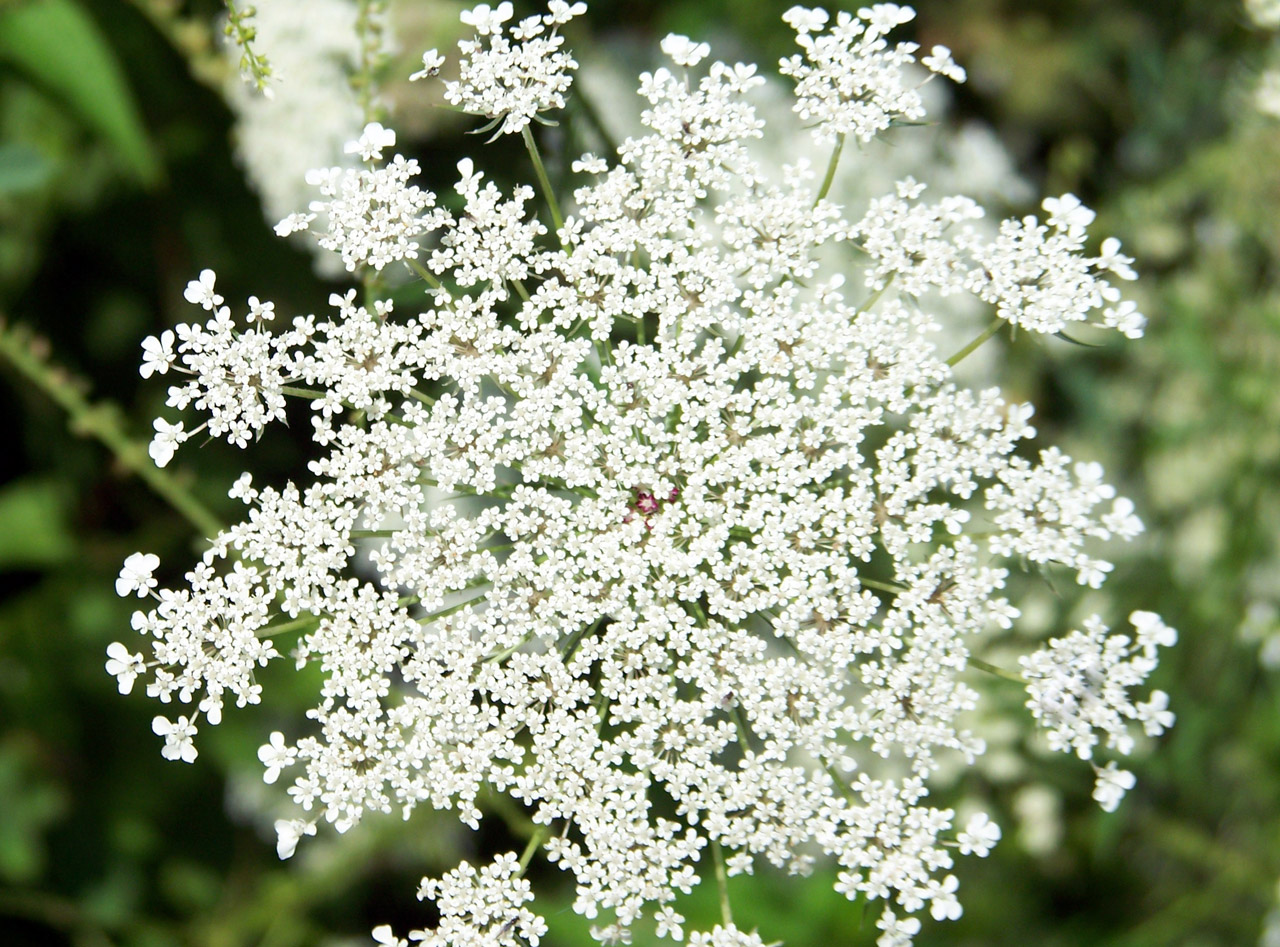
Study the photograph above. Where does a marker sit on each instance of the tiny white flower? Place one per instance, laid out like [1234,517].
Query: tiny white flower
[200,291]
[371,142]
[939,60]
[1068,213]
[486,19]
[260,311]
[165,443]
[944,905]
[382,934]
[1155,715]
[136,576]
[559,12]
[979,835]
[157,354]
[1152,631]
[178,738]
[288,834]
[805,20]
[294,223]
[123,665]
[898,932]
[883,17]
[275,755]
[683,51]
[468,177]
[1111,785]
[589,164]
[432,62]
[1110,258]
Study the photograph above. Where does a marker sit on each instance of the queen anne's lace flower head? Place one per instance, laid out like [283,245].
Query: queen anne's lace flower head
[643,521]
[850,80]
[510,82]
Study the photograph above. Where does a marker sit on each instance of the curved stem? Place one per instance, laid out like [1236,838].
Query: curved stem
[543,181]
[309,393]
[722,883]
[539,837]
[831,171]
[101,421]
[973,346]
[427,276]
[997,671]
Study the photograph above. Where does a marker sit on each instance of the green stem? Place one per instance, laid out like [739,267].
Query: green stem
[309,393]
[242,33]
[969,349]
[997,671]
[539,837]
[369,31]
[744,735]
[427,276]
[722,883]
[543,181]
[101,421]
[500,656]
[875,297]
[444,612]
[285,627]
[831,171]
[881,586]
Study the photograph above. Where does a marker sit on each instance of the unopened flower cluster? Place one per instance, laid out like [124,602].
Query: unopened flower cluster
[650,521]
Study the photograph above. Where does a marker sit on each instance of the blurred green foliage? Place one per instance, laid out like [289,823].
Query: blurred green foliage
[117,185]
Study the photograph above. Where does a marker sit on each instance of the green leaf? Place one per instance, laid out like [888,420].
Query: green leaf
[33,525]
[22,168]
[58,47]
[1066,338]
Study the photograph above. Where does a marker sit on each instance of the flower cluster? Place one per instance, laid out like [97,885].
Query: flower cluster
[373,216]
[510,83]
[1036,275]
[640,520]
[236,377]
[1079,687]
[850,81]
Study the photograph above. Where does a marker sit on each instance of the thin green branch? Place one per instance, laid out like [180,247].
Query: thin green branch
[997,671]
[427,276]
[973,346]
[102,421]
[722,883]
[240,30]
[881,586]
[445,612]
[543,181]
[830,176]
[539,837]
[309,393]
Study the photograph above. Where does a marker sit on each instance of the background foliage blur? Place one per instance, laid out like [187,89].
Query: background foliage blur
[117,184]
